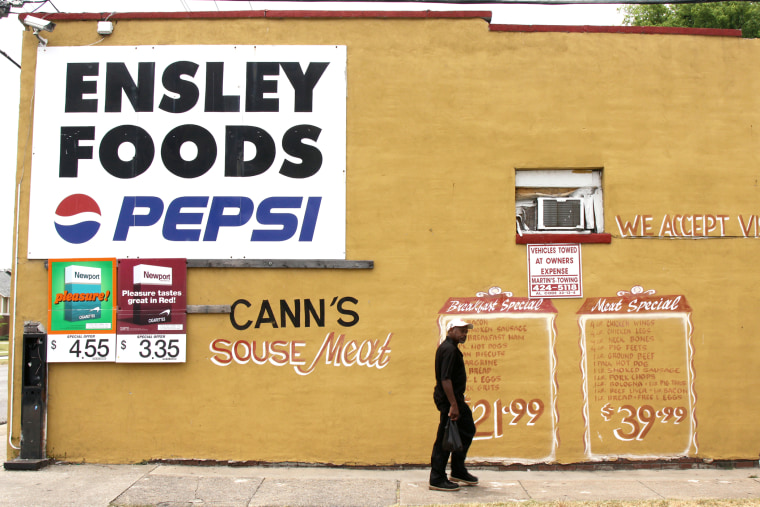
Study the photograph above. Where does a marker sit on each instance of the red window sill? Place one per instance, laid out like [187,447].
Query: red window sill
[530,239]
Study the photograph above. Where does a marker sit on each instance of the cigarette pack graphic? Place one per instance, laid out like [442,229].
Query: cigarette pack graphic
[151,283]
[81,280]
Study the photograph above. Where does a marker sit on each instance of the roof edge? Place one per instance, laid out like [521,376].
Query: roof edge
[657,30]
[427,14]
[304,14]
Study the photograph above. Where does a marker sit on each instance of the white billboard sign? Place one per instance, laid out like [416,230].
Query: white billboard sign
[554,271]
[201,152]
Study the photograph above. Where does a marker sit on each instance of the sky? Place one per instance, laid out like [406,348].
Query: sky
[10,43]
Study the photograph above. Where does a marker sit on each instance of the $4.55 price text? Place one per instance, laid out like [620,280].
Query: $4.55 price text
[80,348]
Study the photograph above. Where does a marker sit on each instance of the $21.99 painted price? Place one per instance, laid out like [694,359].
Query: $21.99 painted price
[517,409]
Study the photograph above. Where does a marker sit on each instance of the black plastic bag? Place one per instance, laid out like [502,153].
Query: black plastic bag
[452,442]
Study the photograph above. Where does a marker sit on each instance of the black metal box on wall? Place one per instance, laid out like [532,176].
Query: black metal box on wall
[33,396]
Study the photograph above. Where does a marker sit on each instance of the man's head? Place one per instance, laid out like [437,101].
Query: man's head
[457,330]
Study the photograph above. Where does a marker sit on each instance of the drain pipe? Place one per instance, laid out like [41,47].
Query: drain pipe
[12,347]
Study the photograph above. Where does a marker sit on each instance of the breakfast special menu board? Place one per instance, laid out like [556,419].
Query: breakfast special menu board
[511,375]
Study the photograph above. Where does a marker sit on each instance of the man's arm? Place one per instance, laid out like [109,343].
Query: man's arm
[448,388]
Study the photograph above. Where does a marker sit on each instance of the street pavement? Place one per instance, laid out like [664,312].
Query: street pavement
[218,486]
[174,485]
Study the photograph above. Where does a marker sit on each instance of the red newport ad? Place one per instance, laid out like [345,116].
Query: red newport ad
[152,314]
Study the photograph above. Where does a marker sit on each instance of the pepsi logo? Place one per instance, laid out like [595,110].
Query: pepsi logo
[77,218]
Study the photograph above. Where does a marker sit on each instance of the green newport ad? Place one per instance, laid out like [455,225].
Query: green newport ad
[81,295]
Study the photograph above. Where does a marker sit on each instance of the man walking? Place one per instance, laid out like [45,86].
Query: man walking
[450,384]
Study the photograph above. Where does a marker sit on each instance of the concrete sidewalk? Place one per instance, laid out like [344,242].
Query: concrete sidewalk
[172,485]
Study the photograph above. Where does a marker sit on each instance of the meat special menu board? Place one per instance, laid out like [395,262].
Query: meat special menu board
[511,375]
[637,364]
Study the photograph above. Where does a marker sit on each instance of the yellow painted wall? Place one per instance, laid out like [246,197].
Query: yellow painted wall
[440,114]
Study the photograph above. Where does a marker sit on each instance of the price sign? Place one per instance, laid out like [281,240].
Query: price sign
[76,348]
[152,311]
[81,310]
[152,348]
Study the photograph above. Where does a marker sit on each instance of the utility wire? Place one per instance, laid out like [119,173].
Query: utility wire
[9,58]
[42,4]
[522,2]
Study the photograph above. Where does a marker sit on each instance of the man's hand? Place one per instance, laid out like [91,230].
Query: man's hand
[448,388]
[454,412]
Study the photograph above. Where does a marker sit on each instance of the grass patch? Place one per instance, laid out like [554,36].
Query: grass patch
[620,503]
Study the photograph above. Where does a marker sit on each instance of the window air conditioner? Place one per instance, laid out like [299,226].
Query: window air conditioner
[560,214]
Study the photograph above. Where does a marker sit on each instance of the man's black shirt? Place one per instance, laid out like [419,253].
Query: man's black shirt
[449,365]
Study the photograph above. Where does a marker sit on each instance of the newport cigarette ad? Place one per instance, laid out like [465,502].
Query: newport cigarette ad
[151,323]
[81,310]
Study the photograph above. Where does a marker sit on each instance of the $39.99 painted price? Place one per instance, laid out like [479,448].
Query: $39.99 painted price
[638,421]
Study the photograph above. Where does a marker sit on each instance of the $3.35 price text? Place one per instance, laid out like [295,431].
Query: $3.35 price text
[151,348]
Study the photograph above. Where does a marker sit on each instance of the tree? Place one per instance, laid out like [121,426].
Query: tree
[741,15]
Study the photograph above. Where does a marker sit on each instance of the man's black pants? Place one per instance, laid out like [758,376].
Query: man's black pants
[440,457]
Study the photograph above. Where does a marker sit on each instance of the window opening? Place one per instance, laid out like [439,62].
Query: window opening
[558,201]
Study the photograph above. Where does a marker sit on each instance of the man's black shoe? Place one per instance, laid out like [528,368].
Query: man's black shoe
[465,478]
[444,486]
